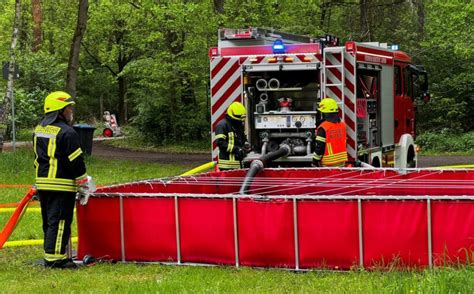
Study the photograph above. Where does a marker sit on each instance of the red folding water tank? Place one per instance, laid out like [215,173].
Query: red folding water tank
[292,218]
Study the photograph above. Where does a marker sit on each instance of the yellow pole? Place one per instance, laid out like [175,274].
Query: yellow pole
[29,209]
[456,166]
[200,168]
[12,209]
[29,242]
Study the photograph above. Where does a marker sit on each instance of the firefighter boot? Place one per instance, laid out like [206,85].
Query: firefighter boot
[62,264]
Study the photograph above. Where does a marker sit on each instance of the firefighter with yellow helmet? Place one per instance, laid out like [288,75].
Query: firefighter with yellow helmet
[230,137]
[60,174]
[331,140]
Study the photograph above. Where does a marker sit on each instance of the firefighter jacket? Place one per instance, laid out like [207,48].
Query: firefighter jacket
[58,157]
[331,143]
[230,136]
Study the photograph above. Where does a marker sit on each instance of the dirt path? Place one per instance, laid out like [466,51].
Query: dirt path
[431,161]
[106,151]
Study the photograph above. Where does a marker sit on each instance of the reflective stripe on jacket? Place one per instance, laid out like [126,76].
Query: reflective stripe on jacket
[58,157]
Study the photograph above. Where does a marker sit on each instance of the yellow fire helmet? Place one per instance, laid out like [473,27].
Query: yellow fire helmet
[57,101]
[328,105]
[237,111]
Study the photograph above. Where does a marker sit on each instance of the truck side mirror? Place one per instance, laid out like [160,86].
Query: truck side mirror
[419,80]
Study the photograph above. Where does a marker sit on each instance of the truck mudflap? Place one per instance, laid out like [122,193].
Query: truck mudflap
[297,219]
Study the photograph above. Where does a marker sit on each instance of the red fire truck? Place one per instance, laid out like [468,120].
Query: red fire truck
[281,77]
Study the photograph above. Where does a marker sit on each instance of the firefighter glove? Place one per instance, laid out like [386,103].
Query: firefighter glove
[240,154]
[316,163]
[247,147]
[85,187]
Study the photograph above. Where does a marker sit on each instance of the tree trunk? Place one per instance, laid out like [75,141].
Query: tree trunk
[101,105]
[322,19]
[420,12]
[73,63]
[11,71]
[219,6]
[37,20]
[122,90]
[364,20]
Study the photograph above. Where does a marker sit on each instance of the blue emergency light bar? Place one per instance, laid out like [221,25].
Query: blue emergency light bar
[395,47]
[278,47]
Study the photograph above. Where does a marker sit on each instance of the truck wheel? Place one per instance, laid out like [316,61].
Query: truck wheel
[375,162]
[411,162]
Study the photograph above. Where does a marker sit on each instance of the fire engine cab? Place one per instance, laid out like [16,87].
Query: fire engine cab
[281,78]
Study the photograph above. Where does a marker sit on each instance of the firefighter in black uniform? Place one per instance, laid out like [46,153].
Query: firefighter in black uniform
[60,174]
[230,136]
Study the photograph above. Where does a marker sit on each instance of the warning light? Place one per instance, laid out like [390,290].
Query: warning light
[350,46]
[395,47]
[278,47]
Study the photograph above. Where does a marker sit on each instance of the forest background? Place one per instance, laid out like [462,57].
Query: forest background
[147,61]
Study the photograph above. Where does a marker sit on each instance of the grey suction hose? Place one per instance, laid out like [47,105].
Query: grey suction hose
[258,164]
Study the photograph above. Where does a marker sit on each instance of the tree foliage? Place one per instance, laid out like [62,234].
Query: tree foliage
[146,60]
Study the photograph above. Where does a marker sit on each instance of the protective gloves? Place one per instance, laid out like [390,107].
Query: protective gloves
[85,187]
[240,154]
[247,147]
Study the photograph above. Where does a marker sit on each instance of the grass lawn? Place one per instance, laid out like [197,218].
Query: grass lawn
[17,274]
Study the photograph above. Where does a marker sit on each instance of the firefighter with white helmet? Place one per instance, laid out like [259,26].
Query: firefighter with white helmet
[230,136]
[331,150]
[60,173]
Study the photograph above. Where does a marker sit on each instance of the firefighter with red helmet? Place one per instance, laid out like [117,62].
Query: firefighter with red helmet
[60,174]
[230,136]
[331,150]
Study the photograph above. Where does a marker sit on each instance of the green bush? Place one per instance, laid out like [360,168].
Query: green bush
[443,113]
[446,141]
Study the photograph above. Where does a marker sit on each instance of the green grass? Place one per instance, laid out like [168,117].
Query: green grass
[133,141]
[24,134]
[17,274]
[17,168]
[136,144]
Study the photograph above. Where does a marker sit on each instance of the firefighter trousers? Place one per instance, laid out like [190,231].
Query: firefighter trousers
[57,210]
